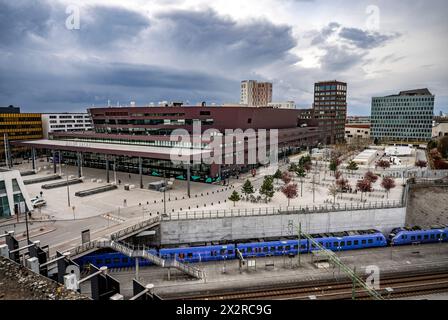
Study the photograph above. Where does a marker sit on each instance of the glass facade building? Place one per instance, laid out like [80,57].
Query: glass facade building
[404,117]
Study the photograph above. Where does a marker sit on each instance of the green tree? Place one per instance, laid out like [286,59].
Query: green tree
[442,146]
[267,188]
[277,175]
[300,173]
[247,188]
[235,197]
[292,167]
[352,166]
[333,165]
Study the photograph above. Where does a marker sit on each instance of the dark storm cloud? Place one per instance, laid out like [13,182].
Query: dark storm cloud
[365,39]
[323,35]
[105,25]
[96,82]
[222,38]
[348,47]
[340,58]
[21,19]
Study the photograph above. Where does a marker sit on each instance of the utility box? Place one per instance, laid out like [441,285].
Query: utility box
[117,296]
[33,264]
[71,282]
[4,251]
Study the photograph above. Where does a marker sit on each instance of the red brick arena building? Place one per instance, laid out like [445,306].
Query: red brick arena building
[139,139]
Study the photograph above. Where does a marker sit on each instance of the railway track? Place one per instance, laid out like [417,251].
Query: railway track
[402,286]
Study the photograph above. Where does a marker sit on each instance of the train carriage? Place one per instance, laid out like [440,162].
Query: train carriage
[406,236]
[198,254]
[350,240]
[272,248]
[112,260]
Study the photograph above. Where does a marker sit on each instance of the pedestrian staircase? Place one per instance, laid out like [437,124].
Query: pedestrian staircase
[142,252]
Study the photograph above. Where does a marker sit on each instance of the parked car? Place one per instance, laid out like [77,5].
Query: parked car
[39,203]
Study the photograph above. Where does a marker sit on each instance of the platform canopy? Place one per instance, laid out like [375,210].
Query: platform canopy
[112,148]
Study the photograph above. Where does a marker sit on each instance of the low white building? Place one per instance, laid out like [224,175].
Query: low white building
[366,157]
[283,105]
[440,130]
[63,122]
[357,132]
[398,151]
[13,194]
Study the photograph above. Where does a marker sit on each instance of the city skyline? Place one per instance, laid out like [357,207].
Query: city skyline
[195,50]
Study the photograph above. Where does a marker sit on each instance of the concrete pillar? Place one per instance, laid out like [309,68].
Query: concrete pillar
[140,171]
[107,169]
[33,158]
[137,265]
[78,156]
[188,180]
[54,161]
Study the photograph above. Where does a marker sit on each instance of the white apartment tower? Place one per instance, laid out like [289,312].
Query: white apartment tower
[256,94]
[64,122]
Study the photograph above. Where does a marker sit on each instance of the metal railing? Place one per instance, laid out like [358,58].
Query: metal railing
[308,209]
[139,252]
[135,228]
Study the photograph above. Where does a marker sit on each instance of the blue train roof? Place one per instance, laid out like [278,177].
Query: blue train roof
[192,249]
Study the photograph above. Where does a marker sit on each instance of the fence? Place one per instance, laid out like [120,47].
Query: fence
[214,214]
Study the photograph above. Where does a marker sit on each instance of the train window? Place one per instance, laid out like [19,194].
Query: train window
[223,251]
[98,261]
[280,248]
[356,242]
[303,246]
[107,261]
[181,256]
[313,246]
[412,237]
[249,249]
[342,243]
[444,236]
[295,247]
[327,244]
[116,260]
[229,252]
[242,250]
[124,260]
[402,237]
[363,241]
[432,236]
[419,237]
[349,243]
[370,241]
[272,249]
[265,249]
[426,237]
[189,255]
[335,244]
[287,248]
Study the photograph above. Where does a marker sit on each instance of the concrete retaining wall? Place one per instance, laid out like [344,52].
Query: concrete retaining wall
[185,231]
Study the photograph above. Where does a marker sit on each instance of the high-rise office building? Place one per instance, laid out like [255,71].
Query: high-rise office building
[330,108]
[16,126]
[403,117]
[256,94]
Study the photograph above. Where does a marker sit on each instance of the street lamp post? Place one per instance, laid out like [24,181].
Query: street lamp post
[164,193]
[68,191]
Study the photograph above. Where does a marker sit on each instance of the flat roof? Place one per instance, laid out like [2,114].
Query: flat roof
[110,148]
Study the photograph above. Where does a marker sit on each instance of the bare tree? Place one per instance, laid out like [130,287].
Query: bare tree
[333,191]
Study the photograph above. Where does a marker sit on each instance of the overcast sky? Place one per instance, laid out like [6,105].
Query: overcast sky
[197,50]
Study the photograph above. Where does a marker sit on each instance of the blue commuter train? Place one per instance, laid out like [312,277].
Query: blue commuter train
[404,236]
[337,241]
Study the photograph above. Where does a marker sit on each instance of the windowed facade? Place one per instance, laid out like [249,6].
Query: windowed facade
[404,117]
